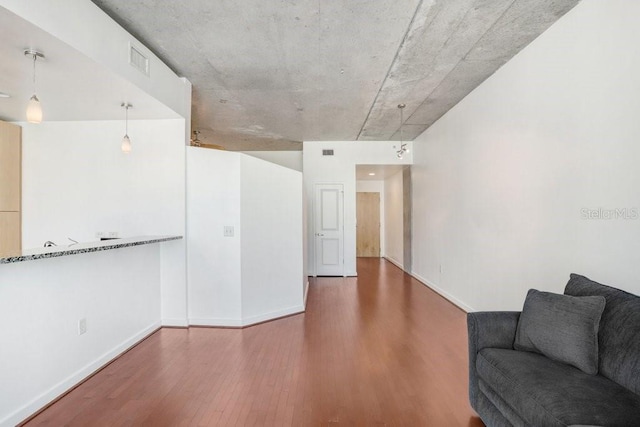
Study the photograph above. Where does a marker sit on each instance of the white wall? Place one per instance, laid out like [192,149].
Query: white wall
[288,159]
[257,274]
[367,186]
[41,302]
[272,264]
[393,224]
[213,260]
[85,27]
[341,168]
[77,182]
[500,182]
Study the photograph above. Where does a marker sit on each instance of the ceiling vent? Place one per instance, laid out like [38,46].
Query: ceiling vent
[138,60]
[327,152]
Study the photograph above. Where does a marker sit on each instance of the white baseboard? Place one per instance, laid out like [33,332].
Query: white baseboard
[175,322]
[76,378]
[220,322]
[394,262]
[252,320]
[245,321]
[444,293]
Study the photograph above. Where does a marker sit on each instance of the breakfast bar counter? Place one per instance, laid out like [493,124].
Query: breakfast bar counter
[81,248]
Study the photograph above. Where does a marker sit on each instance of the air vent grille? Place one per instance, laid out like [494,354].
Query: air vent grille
[327,152]
[138,60]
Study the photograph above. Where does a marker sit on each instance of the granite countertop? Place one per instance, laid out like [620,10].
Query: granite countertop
[81,248]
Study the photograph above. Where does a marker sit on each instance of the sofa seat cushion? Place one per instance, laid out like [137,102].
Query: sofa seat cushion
[545,392]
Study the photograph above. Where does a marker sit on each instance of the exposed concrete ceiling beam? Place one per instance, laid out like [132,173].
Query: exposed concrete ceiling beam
[454,48]
[521,23]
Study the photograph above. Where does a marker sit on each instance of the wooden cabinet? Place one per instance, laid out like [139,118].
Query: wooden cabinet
[10,186]
[10,235]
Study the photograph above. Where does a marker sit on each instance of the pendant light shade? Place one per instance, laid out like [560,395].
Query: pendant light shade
[126,141]
[126,144]
[34,109]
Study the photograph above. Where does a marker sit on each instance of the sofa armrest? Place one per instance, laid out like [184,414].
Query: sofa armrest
[495,329]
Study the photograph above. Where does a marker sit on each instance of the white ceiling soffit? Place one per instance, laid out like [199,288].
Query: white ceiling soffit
[267,75]
[381,172]
[69,85]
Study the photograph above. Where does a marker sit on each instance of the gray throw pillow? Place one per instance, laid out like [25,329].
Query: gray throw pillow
[561,327]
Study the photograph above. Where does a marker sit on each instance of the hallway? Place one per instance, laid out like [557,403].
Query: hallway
[380,349]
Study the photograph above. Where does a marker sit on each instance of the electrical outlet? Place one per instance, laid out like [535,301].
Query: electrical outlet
[440,268]
[228,231]
[82,326]
[100,234]
[112,234]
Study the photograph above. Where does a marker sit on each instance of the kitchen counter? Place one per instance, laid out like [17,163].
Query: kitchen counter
[74,314]
[81,248]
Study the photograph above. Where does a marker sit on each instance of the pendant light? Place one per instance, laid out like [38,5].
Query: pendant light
[403,147]
[126,141]
[34,109]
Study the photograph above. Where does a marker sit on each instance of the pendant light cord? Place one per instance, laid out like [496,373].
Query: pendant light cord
[34,72]
[126,120]
[401,122]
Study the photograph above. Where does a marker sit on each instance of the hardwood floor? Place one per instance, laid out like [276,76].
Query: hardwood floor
[379,350]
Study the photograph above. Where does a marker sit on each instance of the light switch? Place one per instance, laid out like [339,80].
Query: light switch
[228,231]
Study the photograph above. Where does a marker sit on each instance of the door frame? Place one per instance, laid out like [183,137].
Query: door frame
[315,232]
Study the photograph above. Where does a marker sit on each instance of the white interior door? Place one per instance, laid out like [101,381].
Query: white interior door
[329,230]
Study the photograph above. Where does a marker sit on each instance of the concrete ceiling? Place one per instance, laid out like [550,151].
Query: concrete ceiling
[69,85]
[267,75]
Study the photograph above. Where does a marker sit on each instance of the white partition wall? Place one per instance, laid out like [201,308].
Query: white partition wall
[213,260]
[245,239]
[288,159]
[271,246]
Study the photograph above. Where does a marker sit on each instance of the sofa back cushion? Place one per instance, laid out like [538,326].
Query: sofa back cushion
[619,335]
[562,327]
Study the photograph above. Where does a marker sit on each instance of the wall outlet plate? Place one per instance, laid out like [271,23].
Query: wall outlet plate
[228,231]
[82,326]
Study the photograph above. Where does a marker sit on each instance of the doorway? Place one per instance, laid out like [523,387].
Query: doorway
[393,184]
[329,229]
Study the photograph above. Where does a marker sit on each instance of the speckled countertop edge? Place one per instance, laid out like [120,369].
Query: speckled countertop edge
[105,245]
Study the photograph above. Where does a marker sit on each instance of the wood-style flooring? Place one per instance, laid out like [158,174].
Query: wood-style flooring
[377,350]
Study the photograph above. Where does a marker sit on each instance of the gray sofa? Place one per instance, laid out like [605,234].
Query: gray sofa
[508,387]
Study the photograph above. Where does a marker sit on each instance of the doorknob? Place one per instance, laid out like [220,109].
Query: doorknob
[319,234]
